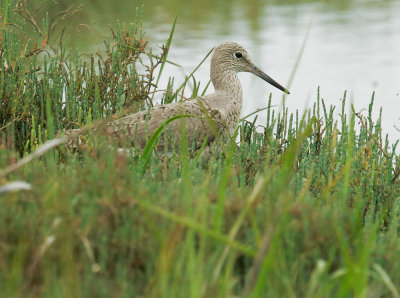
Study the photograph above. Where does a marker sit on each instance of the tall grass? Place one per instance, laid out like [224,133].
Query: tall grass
[306,206]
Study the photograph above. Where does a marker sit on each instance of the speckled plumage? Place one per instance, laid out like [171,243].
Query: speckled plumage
[224,106]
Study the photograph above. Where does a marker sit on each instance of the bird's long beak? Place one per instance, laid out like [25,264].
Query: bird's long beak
[255,70]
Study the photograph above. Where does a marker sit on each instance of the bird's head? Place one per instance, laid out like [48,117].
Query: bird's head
[230,56]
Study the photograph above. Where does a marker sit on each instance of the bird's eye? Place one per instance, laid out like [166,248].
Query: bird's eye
[238,55]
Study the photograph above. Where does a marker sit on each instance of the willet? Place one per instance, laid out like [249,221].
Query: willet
[221,109]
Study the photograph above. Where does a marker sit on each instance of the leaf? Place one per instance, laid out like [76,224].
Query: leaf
[145,157]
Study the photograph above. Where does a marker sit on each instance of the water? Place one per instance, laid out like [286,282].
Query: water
[352,45]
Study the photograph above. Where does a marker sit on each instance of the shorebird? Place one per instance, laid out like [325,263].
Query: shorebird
[218,112]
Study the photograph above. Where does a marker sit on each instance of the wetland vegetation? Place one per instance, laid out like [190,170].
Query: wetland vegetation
[306,205]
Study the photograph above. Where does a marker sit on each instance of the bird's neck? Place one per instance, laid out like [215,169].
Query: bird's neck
[229,96]
[226,81]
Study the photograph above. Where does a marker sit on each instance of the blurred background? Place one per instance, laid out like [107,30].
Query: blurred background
[353,45]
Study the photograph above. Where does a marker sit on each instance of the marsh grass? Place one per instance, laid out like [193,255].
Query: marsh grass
[305,206]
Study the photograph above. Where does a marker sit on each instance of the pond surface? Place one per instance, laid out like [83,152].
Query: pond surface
[352,46]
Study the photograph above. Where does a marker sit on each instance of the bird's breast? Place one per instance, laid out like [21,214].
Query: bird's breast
[228,106]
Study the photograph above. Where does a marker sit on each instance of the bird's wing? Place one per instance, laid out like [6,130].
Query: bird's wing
[140,126]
